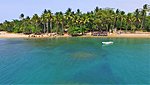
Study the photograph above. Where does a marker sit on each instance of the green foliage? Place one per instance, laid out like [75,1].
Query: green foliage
[147,25]
[77,22]
[1,27]
[74,31]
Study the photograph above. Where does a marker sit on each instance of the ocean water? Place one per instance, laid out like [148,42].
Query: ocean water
[74,61]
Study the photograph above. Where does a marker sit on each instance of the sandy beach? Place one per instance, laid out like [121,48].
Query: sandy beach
[4,34]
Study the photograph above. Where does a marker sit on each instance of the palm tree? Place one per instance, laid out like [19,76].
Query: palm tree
[128,21]
[78,12]
[68,11]
[96,9]
[91,20]
[21,16]
[121,19]
[43,20]
[27,28]
[35,20]
[137,15]
[116,18]
[69,18]
[144,12]
[7,26]
[48,18]
[57,16]
[61,22]
[109,19]
[23,23]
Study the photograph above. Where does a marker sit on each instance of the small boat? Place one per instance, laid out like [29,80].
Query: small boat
[107,43]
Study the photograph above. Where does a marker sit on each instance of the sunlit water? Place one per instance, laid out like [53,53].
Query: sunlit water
[74,61]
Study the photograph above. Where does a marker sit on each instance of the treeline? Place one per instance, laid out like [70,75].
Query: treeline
[106,19]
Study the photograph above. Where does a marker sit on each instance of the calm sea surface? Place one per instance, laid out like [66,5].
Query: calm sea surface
[74,61]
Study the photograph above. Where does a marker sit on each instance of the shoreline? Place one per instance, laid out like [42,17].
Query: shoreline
[121,36]
[4,34]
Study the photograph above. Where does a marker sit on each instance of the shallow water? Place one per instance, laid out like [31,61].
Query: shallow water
[74,61]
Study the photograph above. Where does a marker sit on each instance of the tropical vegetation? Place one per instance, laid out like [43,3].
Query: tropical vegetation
[101,19]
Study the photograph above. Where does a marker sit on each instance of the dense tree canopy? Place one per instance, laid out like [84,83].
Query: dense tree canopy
[100,19]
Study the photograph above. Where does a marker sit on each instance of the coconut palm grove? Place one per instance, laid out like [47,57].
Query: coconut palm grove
[100,19]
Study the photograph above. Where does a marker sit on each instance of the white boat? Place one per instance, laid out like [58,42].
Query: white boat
[106,43]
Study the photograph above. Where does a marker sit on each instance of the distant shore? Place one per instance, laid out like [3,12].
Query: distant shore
[4,34]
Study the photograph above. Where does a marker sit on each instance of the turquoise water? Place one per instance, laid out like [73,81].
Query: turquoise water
[74,61]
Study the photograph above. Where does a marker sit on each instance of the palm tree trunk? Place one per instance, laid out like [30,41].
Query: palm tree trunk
[62,27]
[126,28]
[36,27]
[115,20]
[44,27]
[57,27]
[143,22]
[121,24]
[51,27]
[47,27]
